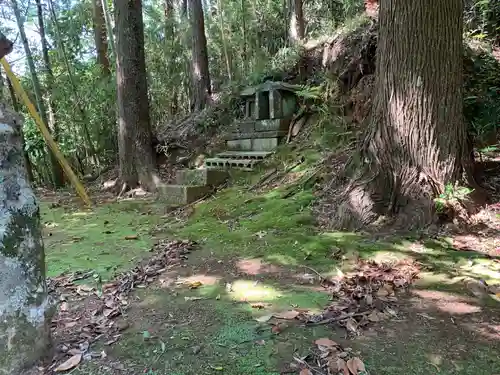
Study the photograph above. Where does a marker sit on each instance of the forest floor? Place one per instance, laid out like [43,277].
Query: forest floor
[250,291]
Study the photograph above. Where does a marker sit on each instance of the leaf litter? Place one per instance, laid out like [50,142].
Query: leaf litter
[90,313]
[365,295]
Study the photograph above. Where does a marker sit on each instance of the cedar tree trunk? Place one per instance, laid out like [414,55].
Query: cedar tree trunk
[297,24]
[137,162]
[417,140]
[200,72]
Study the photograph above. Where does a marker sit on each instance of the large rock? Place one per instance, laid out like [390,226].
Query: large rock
[25,308]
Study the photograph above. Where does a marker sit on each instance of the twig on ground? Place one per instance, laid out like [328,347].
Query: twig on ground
[316,272]
[339,318]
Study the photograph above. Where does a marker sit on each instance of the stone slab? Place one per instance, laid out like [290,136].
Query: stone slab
[239,144]
[272,125]
[265,144]
[200,177]
[262,134]
[245,126]
[182,194]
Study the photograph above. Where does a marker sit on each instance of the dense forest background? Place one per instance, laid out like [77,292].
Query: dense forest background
[65,54]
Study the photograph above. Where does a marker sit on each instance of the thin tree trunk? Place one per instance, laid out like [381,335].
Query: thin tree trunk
[417,143]
[51,107]
[109,27]
[223,39]
[200,72]
[137,162]
[244,36]
[57,171]
[297,25]
[100,37]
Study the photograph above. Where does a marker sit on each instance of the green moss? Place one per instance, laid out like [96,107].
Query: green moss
[78,239]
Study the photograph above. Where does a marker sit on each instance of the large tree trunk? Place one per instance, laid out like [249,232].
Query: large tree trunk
[417,139]
[200,72]
[100,37]
[25,310]
[297,27]
[137,162]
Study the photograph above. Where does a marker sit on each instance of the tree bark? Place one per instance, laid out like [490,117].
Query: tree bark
[137,162]
[417,140]
[5,45]
[297,25]
[25,308]
[200,71]
[100,37]
[27,161]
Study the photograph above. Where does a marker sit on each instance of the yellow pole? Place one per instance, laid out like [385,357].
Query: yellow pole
[45,132]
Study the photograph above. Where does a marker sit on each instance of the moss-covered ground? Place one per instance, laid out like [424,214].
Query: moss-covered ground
[254,246]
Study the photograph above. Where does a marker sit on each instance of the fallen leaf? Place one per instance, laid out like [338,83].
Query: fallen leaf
[74,351]
[326,342]
[132,237]
[258,305]
[305,371]
[64,306]
[195,284]
[351,325]
[356,366]
[70,324]
[70,363]
[289,315]
[264,318]
[342,366]
[192,298]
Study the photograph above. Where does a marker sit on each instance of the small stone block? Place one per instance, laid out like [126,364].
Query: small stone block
[200,177]
[182,194]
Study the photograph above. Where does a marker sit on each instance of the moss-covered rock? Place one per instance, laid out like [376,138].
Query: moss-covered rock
[25,308]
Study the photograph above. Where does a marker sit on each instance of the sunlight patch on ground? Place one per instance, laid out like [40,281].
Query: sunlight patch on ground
[248,290]
[447,302]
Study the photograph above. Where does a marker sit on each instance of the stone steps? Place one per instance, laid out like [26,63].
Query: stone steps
[230,163]
[255,155]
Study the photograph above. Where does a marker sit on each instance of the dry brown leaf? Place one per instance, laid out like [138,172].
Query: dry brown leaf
[351,325]
[355,366]
[258,305]
[305,371]
[195,284]
[70,324]
[326,342]
[70,363]
[342,366]
[64,306]
[289,315]
[74,351]
[132,237]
